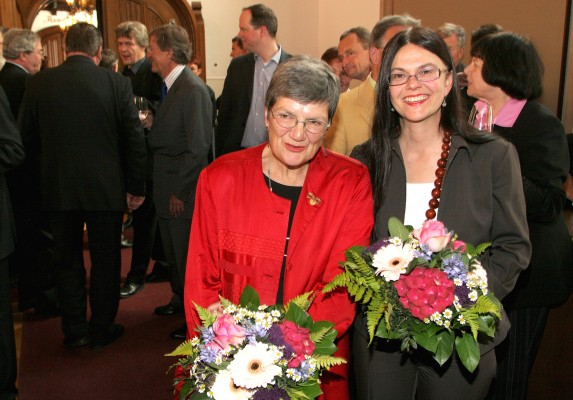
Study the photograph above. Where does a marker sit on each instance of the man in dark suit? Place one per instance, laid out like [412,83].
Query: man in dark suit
[240,122]
[11,154]
[132,42]
[82,123]
[30,261]
[179,139]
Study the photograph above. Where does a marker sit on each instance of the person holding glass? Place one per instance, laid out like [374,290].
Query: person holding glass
[510,84]
[280,216]
[475,191]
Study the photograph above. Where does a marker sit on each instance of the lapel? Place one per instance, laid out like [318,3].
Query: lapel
[366,98]
[172,95]
[248,76]
[312,198]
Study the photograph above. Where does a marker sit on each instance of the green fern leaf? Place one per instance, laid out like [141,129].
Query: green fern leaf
[487,305]
[206,317]
[303,300]
[184,349]
[328,361]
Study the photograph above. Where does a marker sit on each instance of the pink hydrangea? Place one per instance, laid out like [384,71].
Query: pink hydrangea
[299,339]
[425,291]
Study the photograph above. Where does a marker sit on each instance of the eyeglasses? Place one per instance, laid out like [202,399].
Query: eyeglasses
[289,121]
[423,75]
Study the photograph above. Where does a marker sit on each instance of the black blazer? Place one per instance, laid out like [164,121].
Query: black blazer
[145,82]
[13,81]
[540,141]
[82,122]
[11,154]
[235,103]
[179,140]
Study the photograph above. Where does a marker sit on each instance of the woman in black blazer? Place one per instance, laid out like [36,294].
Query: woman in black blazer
[506,72]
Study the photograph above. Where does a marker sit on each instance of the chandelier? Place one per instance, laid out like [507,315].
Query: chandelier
[80,11]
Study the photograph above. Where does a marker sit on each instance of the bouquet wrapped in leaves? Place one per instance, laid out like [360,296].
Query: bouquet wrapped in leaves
[425,288]
[253,351]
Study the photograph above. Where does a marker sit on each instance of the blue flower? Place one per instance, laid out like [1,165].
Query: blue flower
[424,252]
[455,267]
[207,334]
[208,354]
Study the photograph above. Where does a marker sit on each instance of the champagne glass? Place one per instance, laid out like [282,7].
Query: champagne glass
[143,106]
[481,116]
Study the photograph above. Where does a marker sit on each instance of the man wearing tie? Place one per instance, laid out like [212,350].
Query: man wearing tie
[179,139]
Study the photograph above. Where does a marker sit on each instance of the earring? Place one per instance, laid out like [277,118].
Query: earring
[444,103]
[392,109]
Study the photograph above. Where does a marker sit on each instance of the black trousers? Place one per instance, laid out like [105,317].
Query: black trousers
[7,344]
[145,231]
[104,238]
[516,354]
[175,236]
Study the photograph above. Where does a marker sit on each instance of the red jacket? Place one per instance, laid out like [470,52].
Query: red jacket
[239,230]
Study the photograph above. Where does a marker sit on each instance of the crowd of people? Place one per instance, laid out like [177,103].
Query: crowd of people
[268,184]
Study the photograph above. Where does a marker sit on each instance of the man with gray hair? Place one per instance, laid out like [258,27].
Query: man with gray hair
[455,38]
[179,140]
[82,125]
[132,44]
[352,121]
[24,54]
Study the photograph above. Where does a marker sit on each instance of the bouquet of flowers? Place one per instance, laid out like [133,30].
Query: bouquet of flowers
[253,351]
[425,288]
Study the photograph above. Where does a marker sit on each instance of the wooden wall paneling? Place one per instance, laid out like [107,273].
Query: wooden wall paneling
[53,44]
[9,14]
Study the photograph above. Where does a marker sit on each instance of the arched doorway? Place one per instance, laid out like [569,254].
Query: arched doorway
[152,13]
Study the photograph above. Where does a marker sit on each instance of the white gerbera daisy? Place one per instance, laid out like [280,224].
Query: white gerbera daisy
[224,388]
[255,366]
[392,260]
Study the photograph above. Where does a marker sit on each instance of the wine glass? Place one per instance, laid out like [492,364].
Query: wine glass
[481,116]
[143,106]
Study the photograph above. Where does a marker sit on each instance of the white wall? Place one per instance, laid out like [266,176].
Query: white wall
[305,27]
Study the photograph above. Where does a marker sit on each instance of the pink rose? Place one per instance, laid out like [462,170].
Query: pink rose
[434,234]
[227,333]
[299,339]
[459,245]
[425,291]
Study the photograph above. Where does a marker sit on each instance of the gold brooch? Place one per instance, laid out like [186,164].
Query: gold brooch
[312,199]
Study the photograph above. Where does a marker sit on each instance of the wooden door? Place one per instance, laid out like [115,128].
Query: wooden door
[54,46]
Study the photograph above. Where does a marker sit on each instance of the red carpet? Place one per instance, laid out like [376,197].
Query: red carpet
[134,367]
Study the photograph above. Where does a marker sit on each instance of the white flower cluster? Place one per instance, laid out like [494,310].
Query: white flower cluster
[477,279]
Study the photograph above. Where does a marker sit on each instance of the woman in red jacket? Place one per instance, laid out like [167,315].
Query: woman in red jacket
[279,216]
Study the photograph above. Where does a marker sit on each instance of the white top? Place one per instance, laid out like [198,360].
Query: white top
[417,197]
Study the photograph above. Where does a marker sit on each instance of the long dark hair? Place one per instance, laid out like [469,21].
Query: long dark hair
[386,123]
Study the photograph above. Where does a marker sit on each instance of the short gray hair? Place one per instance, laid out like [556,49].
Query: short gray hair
[388,22]
[134,30]
[174,38]
[18,41]
[305,80]
[449,29]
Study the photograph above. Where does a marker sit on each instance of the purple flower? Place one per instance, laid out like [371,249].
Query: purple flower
[373,248]
[271,394]
[276,337]
[454,267]
[463,296]
[254,332]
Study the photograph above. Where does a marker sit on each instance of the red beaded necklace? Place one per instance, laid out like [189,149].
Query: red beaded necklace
[434,202]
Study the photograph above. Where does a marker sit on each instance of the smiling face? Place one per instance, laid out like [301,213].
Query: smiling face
[129,51]
[161,62]
[355,58]
[418,101]
[295,147]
